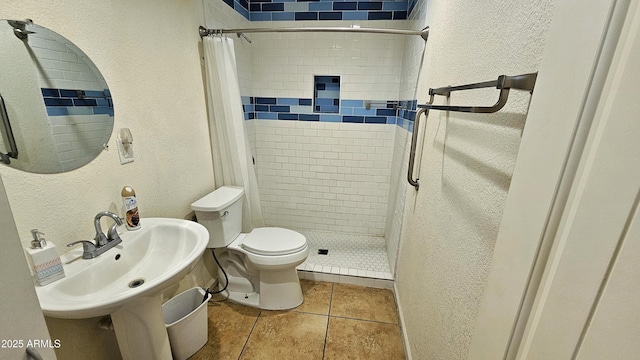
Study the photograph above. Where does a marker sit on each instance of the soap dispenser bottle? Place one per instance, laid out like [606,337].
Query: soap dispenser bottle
[44,260]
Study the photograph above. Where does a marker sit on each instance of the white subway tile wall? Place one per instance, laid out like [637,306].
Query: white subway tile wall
[369,64]
[398,188]
[61,66]
[413,48]
[78,139]
[323,176]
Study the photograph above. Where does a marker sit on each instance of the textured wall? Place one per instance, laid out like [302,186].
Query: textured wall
[165,113]
[148,52]
[467,160]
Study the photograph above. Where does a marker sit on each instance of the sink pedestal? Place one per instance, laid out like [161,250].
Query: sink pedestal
[140,329]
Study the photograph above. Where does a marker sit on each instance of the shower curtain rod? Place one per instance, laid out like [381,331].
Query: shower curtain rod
[424,33]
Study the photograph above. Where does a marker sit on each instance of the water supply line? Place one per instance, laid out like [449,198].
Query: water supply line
[226,279]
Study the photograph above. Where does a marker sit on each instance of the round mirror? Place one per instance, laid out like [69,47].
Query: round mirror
[56,112]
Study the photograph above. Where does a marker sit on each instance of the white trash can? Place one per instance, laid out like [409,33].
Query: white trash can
[185,316]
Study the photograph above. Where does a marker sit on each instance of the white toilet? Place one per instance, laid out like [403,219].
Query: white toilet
[260,265]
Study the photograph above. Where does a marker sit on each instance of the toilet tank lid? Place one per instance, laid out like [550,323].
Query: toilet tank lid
[219,199]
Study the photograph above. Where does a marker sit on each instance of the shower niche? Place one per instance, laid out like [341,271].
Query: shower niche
[326,94]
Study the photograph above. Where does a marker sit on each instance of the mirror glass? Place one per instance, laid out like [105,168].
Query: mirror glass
[57,106]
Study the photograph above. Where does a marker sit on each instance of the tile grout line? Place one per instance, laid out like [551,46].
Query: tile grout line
[326,333]
[248,336]
[367,320]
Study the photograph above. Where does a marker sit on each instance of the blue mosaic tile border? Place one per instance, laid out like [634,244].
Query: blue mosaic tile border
[400,113]
[300,10]
[407,113]
[62,102]
[241,6]
[410,6]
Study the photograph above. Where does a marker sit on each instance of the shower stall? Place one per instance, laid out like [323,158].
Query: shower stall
[331,182]
[329,128]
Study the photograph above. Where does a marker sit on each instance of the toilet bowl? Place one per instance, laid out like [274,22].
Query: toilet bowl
[260,265]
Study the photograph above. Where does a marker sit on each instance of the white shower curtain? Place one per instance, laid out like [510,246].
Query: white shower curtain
[232,160]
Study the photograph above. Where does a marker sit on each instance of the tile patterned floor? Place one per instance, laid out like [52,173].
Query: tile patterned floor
[335,322]
[349,254]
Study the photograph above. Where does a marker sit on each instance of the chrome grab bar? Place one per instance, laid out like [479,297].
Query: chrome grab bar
[414,138]
[13,153]
[504,83]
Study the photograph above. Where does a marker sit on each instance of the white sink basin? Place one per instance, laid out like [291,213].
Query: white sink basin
[160,253]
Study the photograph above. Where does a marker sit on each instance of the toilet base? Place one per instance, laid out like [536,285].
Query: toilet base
[279,290]
[252,299]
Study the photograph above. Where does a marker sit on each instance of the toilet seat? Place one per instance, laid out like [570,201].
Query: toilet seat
[279,248]
[273,241]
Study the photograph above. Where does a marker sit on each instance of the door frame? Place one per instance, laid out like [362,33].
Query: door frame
[20,313]
[571,78]
[584,282]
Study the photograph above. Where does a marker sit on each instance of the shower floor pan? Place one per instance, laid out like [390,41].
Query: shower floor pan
[353,255]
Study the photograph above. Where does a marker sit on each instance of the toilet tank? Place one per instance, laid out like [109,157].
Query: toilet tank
[221,213]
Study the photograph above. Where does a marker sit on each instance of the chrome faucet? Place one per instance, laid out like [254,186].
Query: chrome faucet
[102,242]
[112,234]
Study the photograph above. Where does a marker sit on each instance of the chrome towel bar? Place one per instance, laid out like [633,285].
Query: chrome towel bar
[504,83]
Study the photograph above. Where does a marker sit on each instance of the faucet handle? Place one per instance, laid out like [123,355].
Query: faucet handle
[89,249]
[86,245]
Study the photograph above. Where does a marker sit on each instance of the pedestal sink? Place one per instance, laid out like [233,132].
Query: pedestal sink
[127,281]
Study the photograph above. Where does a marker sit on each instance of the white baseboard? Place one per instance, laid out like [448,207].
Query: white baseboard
[405,337]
